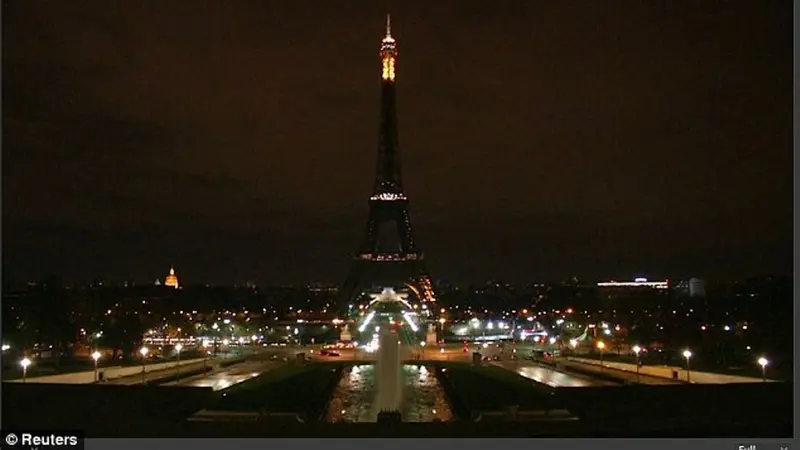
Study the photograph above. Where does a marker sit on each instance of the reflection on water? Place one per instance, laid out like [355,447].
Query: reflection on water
[354,397]
[423,399]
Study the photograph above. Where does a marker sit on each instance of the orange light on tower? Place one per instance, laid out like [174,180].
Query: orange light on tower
[388,52]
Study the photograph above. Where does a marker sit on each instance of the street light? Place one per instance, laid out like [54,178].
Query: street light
[205,356]
[254,338]
[422,344]
[144,351]
[601,346]
[636,350]
[763,362]
[178,348]
[688,354]
[25,363]
[96,357]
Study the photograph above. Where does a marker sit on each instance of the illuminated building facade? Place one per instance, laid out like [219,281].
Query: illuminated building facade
[639,289]
[388,255]
[172,279]
[638,283]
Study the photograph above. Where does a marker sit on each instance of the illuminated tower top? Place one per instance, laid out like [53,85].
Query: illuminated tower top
[172,279]
[388,52]
[388,179]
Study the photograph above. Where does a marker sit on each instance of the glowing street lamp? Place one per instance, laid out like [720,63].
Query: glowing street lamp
[25,363]
[763,362]
[144,351]
[178,348]
[254,338]
[688,354]
[573,343]
[636,351]
[96,357]
[206,344]
[601,346]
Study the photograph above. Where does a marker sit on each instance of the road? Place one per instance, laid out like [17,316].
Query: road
[548,376]
[408,354]
[440,353]
[229,376]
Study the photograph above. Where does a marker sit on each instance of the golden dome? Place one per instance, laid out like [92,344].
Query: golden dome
[172,279]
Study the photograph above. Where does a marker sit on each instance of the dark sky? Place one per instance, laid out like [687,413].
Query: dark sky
[237,140]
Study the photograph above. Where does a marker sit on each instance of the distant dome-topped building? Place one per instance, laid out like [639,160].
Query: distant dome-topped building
[172,279]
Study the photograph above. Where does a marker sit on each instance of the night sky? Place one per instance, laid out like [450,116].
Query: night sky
[237,140]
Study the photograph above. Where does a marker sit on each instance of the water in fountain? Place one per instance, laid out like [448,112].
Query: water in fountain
[369,393]
[354,398]
[388,375]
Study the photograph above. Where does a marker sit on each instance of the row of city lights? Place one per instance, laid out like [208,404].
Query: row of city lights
[762,361]
[26,362]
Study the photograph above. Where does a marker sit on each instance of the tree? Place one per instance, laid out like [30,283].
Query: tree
[55,316]
[123,333]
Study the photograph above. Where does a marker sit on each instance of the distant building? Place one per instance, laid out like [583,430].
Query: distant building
[172,279]
[697,287]
[693,287]
[637,290]
[638,283]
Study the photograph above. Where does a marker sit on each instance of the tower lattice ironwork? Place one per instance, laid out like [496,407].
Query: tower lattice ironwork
[388,255]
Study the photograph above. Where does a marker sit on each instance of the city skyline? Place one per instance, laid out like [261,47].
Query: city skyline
[592,141]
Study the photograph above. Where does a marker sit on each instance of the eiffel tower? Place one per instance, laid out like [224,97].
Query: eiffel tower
[388,256]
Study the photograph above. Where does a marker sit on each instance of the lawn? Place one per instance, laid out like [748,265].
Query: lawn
[491,388]
[300,388]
